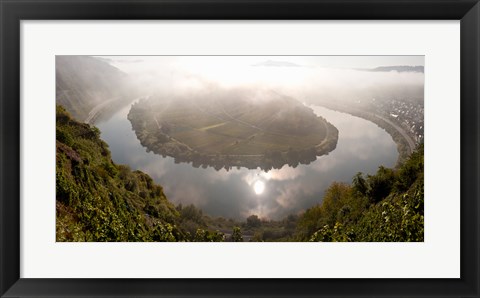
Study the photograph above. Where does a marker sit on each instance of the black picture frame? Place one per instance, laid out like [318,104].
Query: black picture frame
[13,11]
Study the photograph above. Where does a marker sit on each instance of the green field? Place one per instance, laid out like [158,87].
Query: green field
[231,126]
[238,127]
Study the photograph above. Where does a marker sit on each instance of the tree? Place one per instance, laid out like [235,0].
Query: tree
[208,236]
[336,196]
[411,170]
[380,184]
[253,221]
[237,235]
[192,213]
[359,184]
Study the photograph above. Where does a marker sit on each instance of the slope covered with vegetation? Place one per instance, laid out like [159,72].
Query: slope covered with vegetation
[100,201]
[387,206]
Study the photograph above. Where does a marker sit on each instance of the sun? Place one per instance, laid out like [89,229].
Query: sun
[259,187]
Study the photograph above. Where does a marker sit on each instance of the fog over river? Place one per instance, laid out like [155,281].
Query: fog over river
[362,147]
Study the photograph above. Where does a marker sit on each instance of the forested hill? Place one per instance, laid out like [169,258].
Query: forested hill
[387,206]
[83,82]
[98,200]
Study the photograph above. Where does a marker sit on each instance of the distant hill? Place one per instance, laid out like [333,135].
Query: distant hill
[83,82]
[399,68]
[277,64]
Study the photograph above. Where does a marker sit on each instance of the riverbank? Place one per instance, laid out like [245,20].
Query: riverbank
[247,139]
[405,143]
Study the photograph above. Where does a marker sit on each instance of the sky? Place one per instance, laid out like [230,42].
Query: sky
[306,61]
[363,61]
[303,77]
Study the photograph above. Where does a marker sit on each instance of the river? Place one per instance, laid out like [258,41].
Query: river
[362,147]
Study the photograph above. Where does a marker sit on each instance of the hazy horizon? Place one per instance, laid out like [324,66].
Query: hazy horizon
[307,78]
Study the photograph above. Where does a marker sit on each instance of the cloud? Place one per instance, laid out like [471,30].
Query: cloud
[199,75]
[285,173]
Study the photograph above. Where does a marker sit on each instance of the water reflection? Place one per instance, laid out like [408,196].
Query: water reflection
[259,187]
[238,193]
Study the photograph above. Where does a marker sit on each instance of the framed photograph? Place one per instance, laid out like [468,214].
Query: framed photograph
[270,148]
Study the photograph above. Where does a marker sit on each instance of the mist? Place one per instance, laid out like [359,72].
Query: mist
[303,78]
[362,145]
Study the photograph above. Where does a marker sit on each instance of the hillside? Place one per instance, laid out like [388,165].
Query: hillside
[98,200]
[84,82]
[384,207]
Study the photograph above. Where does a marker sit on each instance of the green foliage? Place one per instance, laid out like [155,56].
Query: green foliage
[191,213]
[336,196]
[164,232]
[341,204]
[309,222]
[237,234]
[336,234]
[411,170]
[263,230]
[253,221]
[208,236]
[398,219]
[359,184]
[100,201]
[380,184]
[387,206]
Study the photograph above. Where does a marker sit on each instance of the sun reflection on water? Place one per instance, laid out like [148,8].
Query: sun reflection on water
[259,187]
